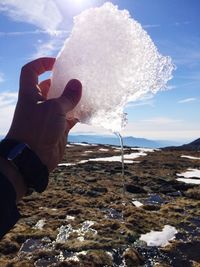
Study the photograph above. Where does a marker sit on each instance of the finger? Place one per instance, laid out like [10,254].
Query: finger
[44,87]
[70,124]
[29,75]
[71,95]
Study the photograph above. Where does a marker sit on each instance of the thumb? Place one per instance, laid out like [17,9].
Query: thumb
[71,95]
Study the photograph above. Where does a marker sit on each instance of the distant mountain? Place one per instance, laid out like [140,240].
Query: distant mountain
[113,140]
[194,146]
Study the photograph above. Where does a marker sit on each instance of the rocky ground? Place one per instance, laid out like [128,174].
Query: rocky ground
[90,216]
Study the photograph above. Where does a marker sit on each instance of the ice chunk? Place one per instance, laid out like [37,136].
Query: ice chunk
[116,62]
[64,233]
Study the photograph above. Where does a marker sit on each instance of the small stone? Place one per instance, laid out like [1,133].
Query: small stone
[132,257]
[134,189]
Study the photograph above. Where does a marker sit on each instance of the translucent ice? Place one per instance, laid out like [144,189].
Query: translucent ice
[116,62]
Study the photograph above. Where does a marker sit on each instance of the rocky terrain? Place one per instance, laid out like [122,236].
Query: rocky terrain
[92,216]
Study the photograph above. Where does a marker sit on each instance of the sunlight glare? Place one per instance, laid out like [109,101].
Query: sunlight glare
[79,2]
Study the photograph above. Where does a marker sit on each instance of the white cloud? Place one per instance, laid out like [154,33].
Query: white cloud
[156,128]
[146,100]
[42,13]
[37,31]
[19,33]
[183,23]
[171,87]
[151,26]
[187,100]
[7,107]
[161,128]
[161,121]
[48,15]
[185,52]
[48,48]
[165,130]
[51,17]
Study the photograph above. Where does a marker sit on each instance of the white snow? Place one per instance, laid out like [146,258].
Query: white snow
[189,157]
[103,149]
[116,62]
[87,152]
[81,144]
[137,203]
[189,176]
[40,224]
[66,164]
[144,149]
[190,173]
[159,238]
[66,230]
[69,217]
[128,158]
[189,181]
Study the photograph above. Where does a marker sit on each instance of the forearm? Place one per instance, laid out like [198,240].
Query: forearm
[9,213]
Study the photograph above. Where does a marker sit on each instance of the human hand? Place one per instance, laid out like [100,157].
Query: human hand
[39,122]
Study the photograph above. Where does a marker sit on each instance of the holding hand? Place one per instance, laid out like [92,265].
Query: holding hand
[39,122]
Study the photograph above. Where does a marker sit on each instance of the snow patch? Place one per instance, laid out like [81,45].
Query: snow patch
[66,230]
[189,181]
[40,224]
[137,203]
[189,157]
[160,238]
[190,173]
[189,176]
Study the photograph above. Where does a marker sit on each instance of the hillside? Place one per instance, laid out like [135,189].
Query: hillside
[84,218]
[129,141]
[193,146]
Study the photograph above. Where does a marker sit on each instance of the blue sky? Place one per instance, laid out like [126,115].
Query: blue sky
[29,29]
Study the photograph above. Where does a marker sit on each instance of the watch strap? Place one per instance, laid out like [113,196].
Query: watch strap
[29,165]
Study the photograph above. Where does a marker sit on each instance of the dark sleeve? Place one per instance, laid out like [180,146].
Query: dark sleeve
[9,213]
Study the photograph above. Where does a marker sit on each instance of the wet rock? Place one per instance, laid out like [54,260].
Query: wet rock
[91,180]
[182,254]
[155,199]
[135,178]
[132,257]
[151,207]
[179,186]
[100,189]
[112,213]
[93,193]
[134,189]
[174,194]
[80,191]
[97,191]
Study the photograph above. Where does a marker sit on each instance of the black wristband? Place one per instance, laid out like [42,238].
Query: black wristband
[29,165]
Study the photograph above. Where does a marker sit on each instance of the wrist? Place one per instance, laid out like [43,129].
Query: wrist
[14,177]
[33,172]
